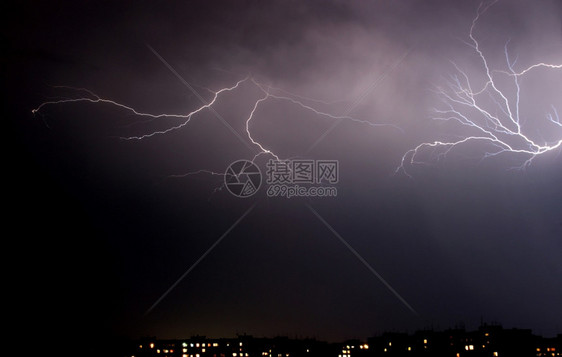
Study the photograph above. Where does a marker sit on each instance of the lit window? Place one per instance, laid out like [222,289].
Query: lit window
[425,341]
[496,354]
[152,345]
[184,344]
[184,350]
[202,350]
[409,348]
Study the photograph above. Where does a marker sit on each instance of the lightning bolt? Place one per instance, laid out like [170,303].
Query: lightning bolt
[498,124]
[269,93]
[292,99]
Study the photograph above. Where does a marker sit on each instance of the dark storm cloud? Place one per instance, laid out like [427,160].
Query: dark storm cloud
[464,239]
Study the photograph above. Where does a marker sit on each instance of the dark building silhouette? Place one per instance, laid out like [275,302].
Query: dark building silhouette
[487,341]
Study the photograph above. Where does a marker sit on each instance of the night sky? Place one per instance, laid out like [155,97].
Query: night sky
[101,227]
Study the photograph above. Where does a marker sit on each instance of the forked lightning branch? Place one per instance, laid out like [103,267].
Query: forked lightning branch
[492,112]
[487,115]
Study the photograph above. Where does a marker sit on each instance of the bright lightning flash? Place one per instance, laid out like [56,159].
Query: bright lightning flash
[492,112]
[268,94]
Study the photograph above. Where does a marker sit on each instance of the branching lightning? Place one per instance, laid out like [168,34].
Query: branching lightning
[268,94]
[94,98]
[492,112]
[291,99]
